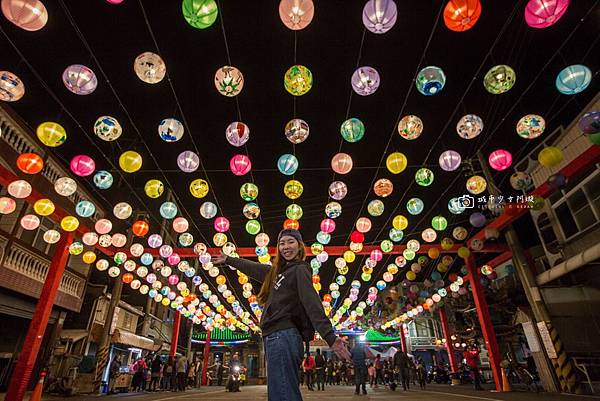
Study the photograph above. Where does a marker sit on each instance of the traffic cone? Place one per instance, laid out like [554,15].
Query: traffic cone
[505,383]
[36,395]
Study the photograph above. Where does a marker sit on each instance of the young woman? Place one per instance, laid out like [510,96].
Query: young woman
[288,299]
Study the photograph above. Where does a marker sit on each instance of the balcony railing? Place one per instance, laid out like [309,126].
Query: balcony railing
[25,271]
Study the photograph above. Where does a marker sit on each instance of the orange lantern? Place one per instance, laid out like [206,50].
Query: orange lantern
[140,228]
[252,299]
[316,279]
[30,163]
[462,15]
[127,278]
[327,298]
[433,253]
[291,224]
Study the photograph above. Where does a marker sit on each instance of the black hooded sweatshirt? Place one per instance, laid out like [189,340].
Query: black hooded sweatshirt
[291,300]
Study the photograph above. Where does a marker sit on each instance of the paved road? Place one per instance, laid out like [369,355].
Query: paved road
[338,393]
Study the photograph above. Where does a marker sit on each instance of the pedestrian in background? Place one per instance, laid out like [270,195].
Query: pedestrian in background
[471,355]
[371,371]
[359,359]
[402,363]
[309,366]
[320,370]
[181,371]
[155,371]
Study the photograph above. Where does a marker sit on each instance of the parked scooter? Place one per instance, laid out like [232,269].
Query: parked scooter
[438,374]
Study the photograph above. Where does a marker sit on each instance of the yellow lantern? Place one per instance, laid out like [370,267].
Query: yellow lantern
[550,156]
[396,162]
[293,189]
[447,244]
[69,223]
[199,188]
[221,279]
[231,299]
[130,161]
[242,279]
[89,257]
[51,134]
[367,270]
[392,268]
[264,258]
[154,188]
[44,207]
[219,239]
[476,184]
[410,275]
[463,252]
[349,256]
[165,301]
[400,222]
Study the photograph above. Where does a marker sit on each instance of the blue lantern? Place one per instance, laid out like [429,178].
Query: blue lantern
[314,263]
[103,179]
[455,206]
[430,80]
[261,250]
[287,164]
[573,79]
[85,209]
[146,259]
[168,210]
[396,235]
[152,293]
[323,237]
[414,206]
[435,276]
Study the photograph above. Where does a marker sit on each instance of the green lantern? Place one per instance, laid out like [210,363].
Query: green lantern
[200,13]
[408,254]
[499,79]
[424,177]
[352,130]
[422,260]
[293,212]
[396,235]
[375,208]
[249,191]
[386,245]
[365,277]
[594,138]
[298,80]
[439,223]
[252,227]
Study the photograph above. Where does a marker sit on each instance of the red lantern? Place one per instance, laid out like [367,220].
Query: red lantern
[453,277]
[327,298]
[127,278]
[30,163]
[291,224]
[316,279]
[140,228]
[462,15]
[357,237]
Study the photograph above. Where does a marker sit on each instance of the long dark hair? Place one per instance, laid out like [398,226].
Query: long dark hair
[278,261]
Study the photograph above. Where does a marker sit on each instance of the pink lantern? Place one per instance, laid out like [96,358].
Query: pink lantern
[30,15]
[30,222]
[363,225]
[376,255]
[327,226]
[82,165]
[173,279]
[450,160]
[341,163]
[19,189]
[221,224]
[240,165]
[180,225]
[429,235]
[115,1]
[174,259]
[165,251]
[544,13]
[296,14]
[103,226]
[7,205]
[500,159]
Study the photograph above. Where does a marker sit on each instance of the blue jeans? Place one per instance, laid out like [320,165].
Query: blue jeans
[284,350]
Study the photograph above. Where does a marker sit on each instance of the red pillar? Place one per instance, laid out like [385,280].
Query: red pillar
[22,373]
[449,346]
[175,335]
[483,313]
[206,354]
[403,339]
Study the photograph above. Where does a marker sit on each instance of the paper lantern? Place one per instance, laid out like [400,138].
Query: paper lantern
[296,131]
[500,159]
[400,222]
[199,188]
[114,1]
[294,211]
[469,126]
[208,210]
[52,237]
[180,225]
[79,79]
[30,163]
[7,205]
[107,128]
[333,210]
[327,226]
[424,177]
[550,156]
[293,189]
[338,190]
[396,163]
[237,133]
[221,224]
[410,127]
[103,179]
[261,239]
[82,165]
[477,219]
[30,222]
[229,81]
[170,130]
[365,81]
[11,87]
[188,161]
[589,124]
[249,191]
[383,187]
[130,161]
[122,210]
[186,239]
[252,227]
[118,241]
[103,226]
[357,237]
[544,13]
[200,13]
[251,210]
[456,205]
[531,126]
[375,208]
[379,16]
[476,184]
[44,207]
[459,233]
[287,164]
[296,14]
[439,223]
[415,206]
[594,138]
[19,189]
[154,188]
[573,79]
[149,67]
[51,134]
[240,165]
[450,160]
[363,225]
[298,80]
[352,130]
[30,15]
[140,228]
[430,80]
[341,163]
[462,15]
[69,223]
[429,235]
[499,79]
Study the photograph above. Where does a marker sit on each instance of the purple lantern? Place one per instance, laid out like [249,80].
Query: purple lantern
[379,16]
[365,81]
[450,160]
[188,161]
[237,133]
[590,123]
[557,181]
[79,79]
[477,219]
[500,159]
[154,241]
[544,13]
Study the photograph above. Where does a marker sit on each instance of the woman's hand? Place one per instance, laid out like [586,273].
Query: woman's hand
[339,347]
[218,260]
